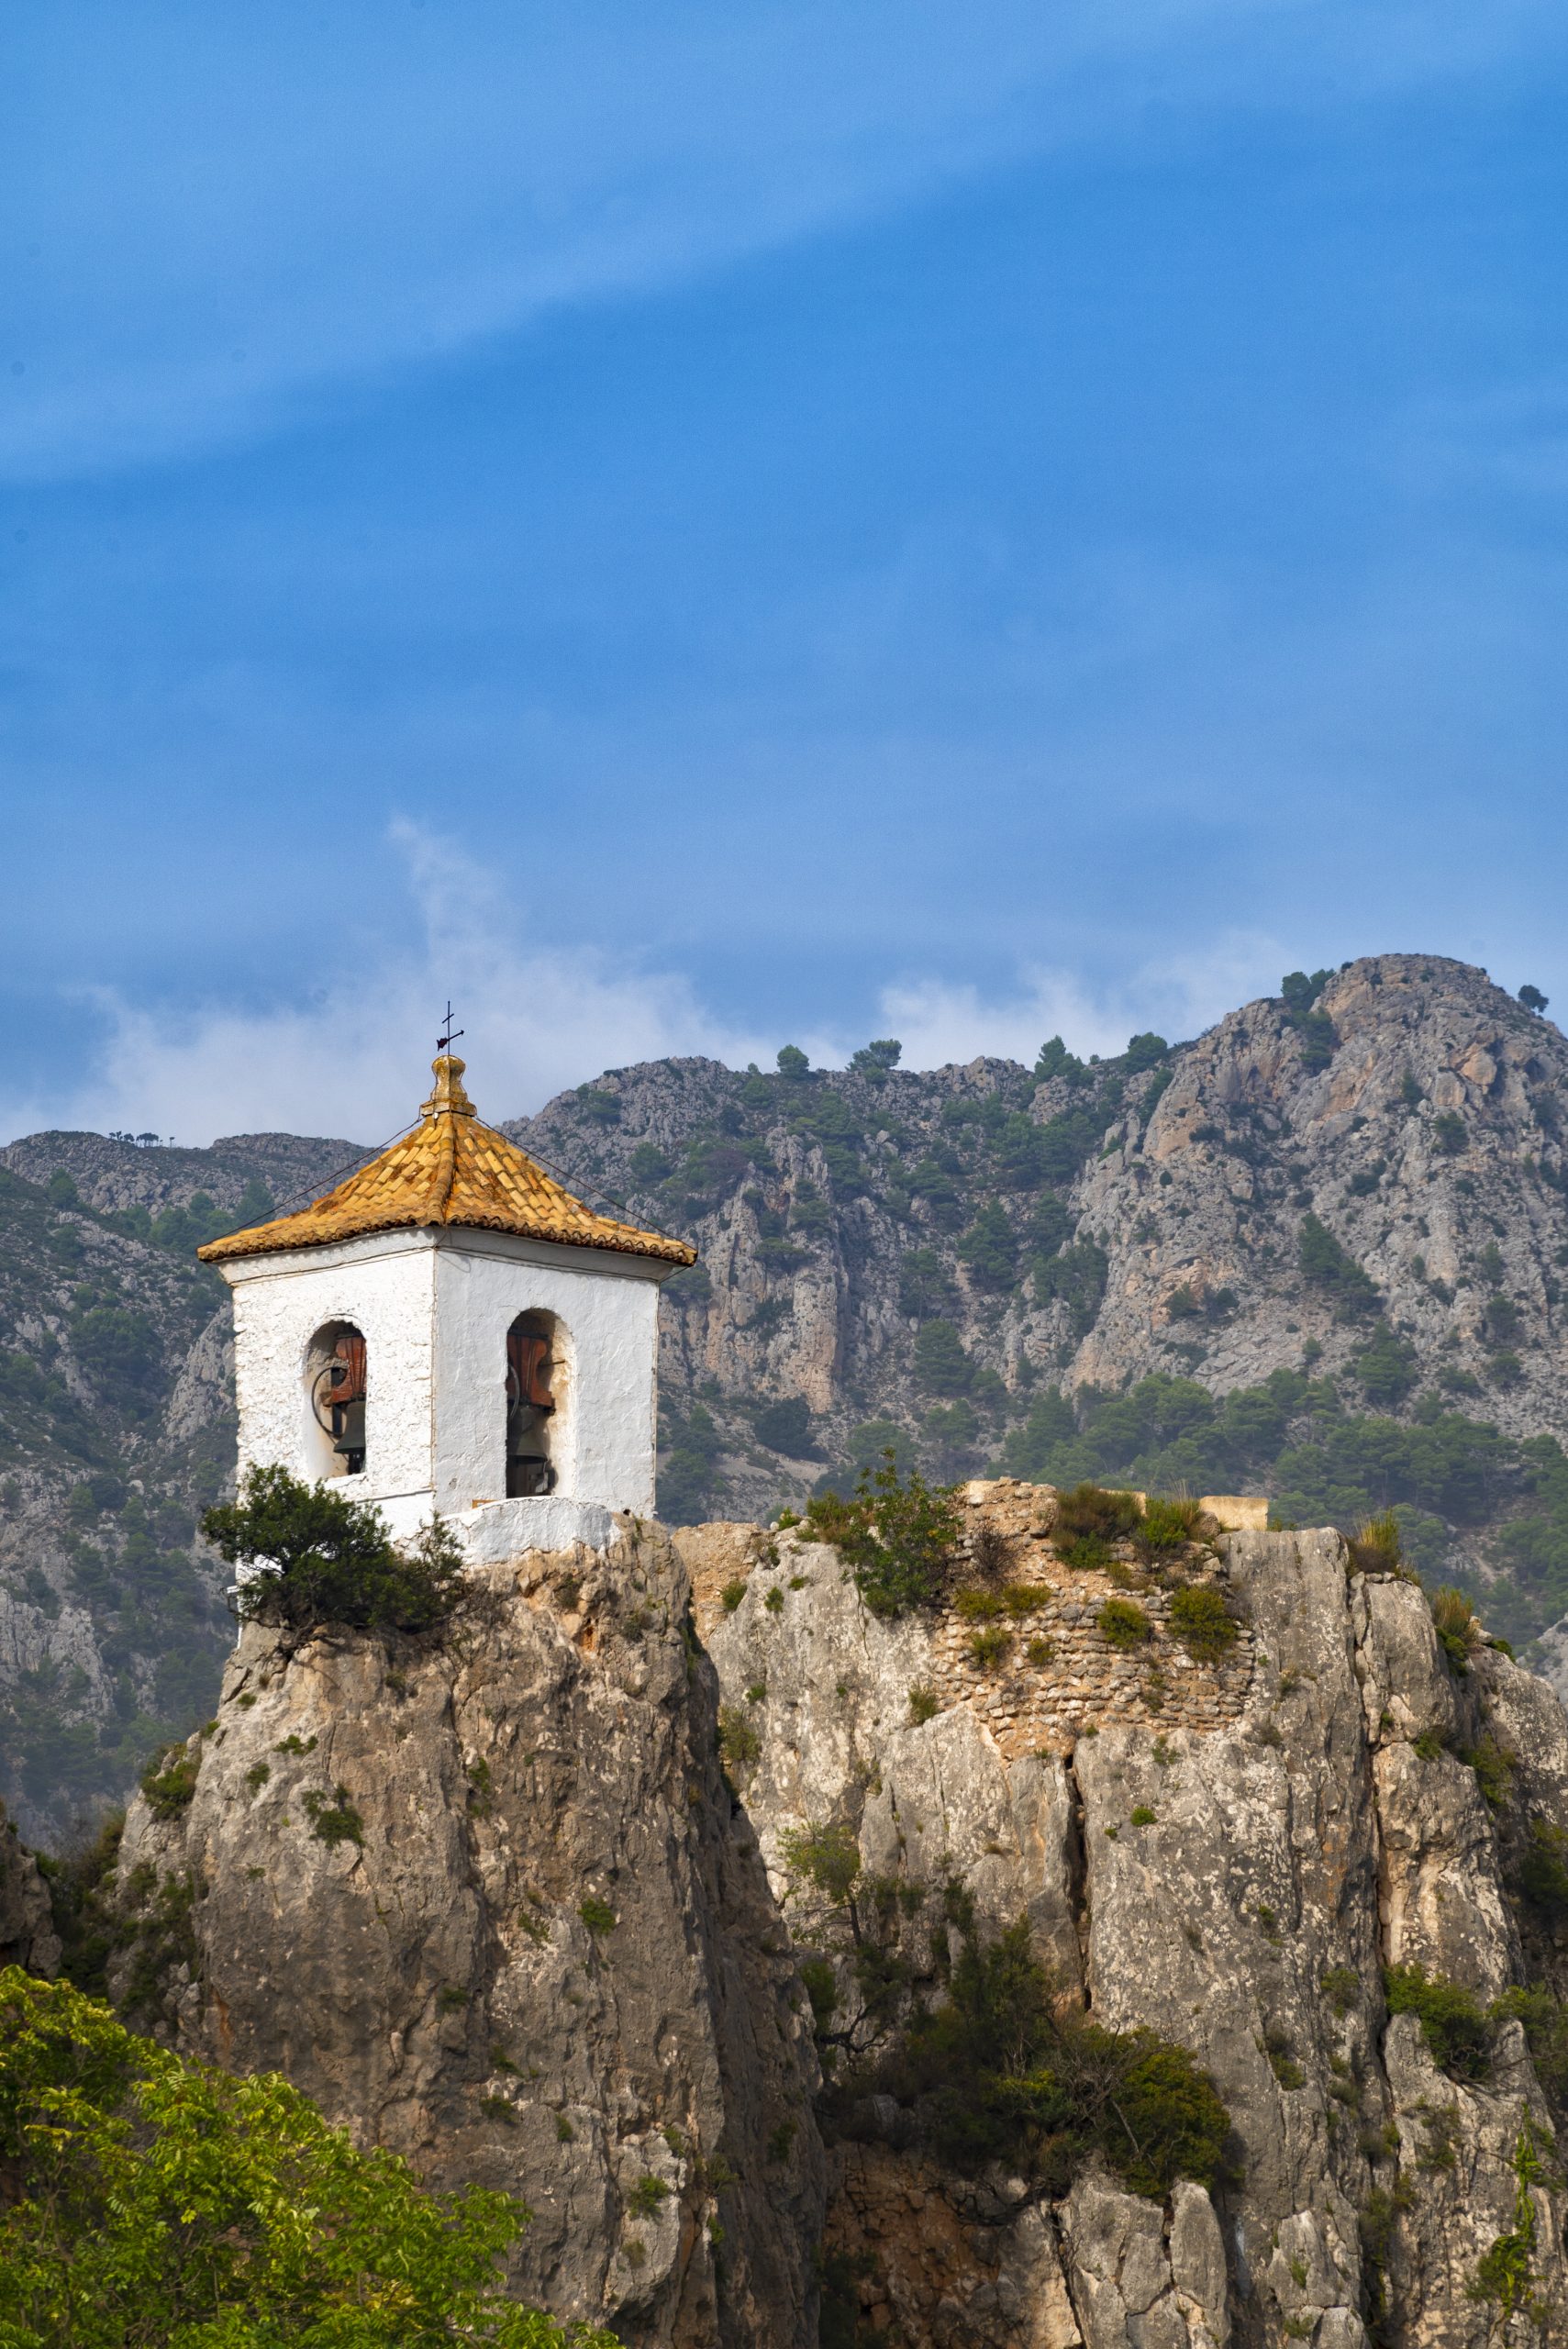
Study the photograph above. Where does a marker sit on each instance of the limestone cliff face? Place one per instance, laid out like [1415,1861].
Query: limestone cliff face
[489,1907]
[27,1937]
[498,1908]
[1284,1857]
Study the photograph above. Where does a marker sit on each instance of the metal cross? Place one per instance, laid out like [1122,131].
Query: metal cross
[444,1043]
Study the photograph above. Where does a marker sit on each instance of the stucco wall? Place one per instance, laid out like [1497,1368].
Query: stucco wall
[385,1285]
[434,1311]
[602,1433]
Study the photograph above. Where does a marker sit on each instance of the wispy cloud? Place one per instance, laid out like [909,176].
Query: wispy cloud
[937,1022]
[378,188]
[350,1061]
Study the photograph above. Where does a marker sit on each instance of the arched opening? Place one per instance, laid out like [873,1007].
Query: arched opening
[335,1381]
[532,1368]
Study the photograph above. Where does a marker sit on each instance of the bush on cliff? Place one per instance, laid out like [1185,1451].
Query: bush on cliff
[998,2074]
[898,1536]
[144,2200]
[320,1561]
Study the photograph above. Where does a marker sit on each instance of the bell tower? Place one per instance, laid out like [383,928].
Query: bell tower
[450,1330]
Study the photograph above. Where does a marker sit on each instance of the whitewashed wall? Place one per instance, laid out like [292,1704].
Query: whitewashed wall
[434,1309]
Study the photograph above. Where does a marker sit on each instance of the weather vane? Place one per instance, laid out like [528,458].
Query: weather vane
[444,1042]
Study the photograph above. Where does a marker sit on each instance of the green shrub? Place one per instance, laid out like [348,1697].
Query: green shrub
[1452,2020]
[1041,1651]
[1203,1623]
[996,2074]
[732,1594]
[1123,1622]
[647,2195]
[1540,1875]
[328,1562]
[1341,1985]
[1459,1634]
[1141,1816]
[1167,1525]
[924,1704]
[828,1856]
[898,1536]
[1493,1764]
[151,2201]
[738,1743]
[597,1915]
[1376,1548]
[336,1821]
[979,1606]
[1325,1264]
[171,1783]
[990,1647]
[1089,1512]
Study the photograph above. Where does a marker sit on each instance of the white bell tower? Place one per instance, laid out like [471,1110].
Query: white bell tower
[449,1330]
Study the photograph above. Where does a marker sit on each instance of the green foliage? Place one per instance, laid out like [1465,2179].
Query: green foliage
[925,1290]
[1141,1815]
[875,1059]
[898,1536]
[1341,1985]
[739,1744]
[1493,1764]
[991,1646]
[941,1366]
[1532,998]
[1327,1265]
[647,2195]
[597,1915]
[828,1856]
[336,1821]
[171,1783]
[1505,2275]
[1166,1526]
[1385,1368]
[1459,1634]
[1452,2023]
[1540,1875]
[1123,1622]
[990,1248]
[1001,2072]
[1203,1623]
[1144,1052]
[734,1591]
[1448,1132]
[1055,1060]
[924,1704]
[1377,1547]
[786,1427]
[1075,1277]
[1091,1511]
[792,1063]
[147,2202]
[328,1562]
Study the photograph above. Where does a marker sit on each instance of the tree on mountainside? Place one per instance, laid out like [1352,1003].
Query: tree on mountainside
[1532,998]
[147,2201]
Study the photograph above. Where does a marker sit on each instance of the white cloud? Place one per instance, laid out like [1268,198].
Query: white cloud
[351,1060]
[937,1022]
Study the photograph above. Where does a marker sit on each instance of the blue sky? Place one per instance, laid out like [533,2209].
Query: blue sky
[700,527]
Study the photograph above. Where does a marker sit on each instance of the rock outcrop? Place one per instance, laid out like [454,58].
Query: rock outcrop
[1240,1889]
[27,1937]
[487,1904]
[928,1257]
[497,1905]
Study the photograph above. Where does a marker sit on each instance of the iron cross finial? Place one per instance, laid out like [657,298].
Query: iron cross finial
[444,1042]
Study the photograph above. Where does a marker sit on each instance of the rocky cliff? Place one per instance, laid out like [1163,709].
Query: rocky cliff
[498,1907]
[488,1904]
[1318,1253]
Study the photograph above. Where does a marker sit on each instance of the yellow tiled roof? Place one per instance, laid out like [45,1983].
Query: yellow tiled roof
[449,1170]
